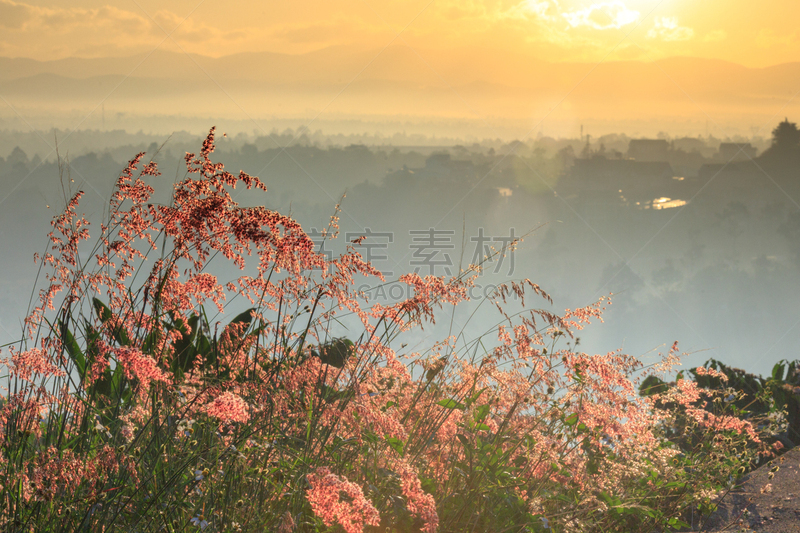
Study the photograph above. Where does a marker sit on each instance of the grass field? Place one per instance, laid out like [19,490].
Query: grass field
[126,409]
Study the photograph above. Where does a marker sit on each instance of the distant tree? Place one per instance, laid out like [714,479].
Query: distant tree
[249,150]
[17,155]
[566,156]
[786,135]
[785,141]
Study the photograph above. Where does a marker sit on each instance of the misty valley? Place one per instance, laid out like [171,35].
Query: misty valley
[388,363]
[697,238]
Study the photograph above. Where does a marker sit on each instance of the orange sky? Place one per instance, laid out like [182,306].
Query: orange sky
[462,59]
[742,31]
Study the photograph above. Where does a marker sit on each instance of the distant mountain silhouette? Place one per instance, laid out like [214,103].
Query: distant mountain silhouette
[401,80]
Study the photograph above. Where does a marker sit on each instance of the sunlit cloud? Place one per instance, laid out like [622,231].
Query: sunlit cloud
[99,31]
[552,30]
[533,9]
[668,29]
[330,32]
[544,22]
[62,21]
[13,15]
[603,16]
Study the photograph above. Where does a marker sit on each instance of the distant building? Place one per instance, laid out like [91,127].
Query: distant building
[600,173]
[598,184]
[736,152]
[689,144]
[440,166]
[438,161]
[648,149]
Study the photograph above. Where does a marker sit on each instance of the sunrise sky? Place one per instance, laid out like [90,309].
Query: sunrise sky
[445,58]
[751,33]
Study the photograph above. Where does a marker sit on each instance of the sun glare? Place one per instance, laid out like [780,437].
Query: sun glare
[603,15]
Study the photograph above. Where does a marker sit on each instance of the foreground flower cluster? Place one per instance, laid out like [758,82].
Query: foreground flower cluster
[122,411]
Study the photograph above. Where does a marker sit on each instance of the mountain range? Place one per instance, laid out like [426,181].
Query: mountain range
[399,80]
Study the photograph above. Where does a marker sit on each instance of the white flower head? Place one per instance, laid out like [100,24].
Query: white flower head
[185,427]
[199,522]
[103,429]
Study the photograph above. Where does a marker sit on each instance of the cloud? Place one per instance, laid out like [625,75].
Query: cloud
[96,20]
[324,32]
[568,35]
[13,15]
[715,36]
[187,31]
[668,29]
[603,16]
[532,9]
[49,32]
[535,21]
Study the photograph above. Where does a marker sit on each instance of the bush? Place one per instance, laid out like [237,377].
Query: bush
[773,403]
[124,412]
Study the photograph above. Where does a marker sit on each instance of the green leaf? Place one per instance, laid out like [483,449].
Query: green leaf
[150,341]
[102,310]
[74,351]
[116,379]
[571,419]
[104,314]
[396,444]
[331,394]
[777,371]
[203,346]
[606,497]
[451,404]
[243,318]
[593,466]
[184,352]
[475,396]
[676,523]
[652,385]
[481,412]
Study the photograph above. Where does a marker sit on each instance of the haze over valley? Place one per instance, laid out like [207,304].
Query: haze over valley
[644,149]
[696,237]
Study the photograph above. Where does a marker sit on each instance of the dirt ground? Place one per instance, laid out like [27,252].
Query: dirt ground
[760,503]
